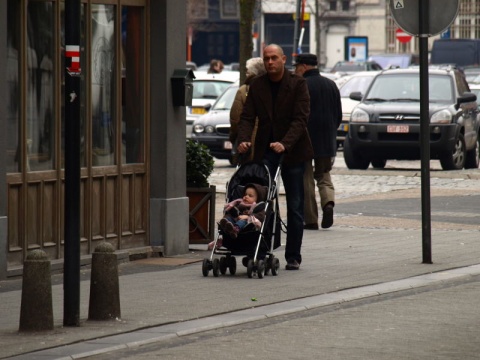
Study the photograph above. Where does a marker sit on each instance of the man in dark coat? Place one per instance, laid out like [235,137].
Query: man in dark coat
[325,117]
[281,102]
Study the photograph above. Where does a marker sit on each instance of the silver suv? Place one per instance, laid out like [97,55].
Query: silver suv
[386,123]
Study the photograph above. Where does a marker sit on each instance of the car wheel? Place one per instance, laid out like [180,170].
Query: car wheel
[352,160]
[379,163]
[472,159]
[456,159]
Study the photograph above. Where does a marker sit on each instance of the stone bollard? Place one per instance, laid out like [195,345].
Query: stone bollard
[104,289]
[36,312]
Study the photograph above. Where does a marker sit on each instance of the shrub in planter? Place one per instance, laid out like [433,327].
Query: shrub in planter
[199,164]
[201,195]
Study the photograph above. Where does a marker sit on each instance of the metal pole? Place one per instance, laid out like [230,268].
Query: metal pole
[296,32]
[71,279]
[424,28]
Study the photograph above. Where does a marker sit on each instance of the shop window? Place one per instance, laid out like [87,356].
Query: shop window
[40,110]
[133,75]
[14,152]
[103,84]
[230,9]
[197,9]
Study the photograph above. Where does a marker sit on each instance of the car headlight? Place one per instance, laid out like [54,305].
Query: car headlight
[441,117]
[209,129]
[198,128]
[359,115]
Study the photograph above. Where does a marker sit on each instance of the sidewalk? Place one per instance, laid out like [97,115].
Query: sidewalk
[339,265]
[162,298]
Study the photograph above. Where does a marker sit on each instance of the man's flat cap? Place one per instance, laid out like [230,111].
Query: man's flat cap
[307,59]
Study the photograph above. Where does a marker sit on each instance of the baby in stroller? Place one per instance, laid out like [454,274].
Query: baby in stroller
[250,225]
[246,213]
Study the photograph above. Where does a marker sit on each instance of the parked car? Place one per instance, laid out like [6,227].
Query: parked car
[357,82]
[191,65]
[472,74]
[461,52]
[349,67]
[398,60]
[206,89]
[213,129]
[386,123]
[475,88]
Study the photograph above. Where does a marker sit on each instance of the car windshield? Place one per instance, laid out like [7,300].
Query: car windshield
[357,83]
[225,101]
[401,87]
[203,89]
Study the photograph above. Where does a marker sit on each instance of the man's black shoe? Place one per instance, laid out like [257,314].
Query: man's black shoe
[327,219]
[313,226]
[292,265]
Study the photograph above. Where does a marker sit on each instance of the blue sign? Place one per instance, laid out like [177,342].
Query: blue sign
[356,48]
[445,34]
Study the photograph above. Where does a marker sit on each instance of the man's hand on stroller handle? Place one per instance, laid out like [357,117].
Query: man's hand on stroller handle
[277,147]
[243,147]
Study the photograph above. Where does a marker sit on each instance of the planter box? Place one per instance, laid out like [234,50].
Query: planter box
[201,214]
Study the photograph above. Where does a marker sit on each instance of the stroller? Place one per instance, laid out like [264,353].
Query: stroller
[256,246]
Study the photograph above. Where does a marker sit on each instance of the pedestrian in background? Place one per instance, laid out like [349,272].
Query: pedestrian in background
[254,67]
[324,120]
[281,102]
[216,66]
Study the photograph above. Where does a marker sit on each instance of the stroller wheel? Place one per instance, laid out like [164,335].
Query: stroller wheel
[275,266]
[245,261]
[223,265]
[205,267]
[260,268]
[232,265]
[250,268]
[268,265]
[216,267]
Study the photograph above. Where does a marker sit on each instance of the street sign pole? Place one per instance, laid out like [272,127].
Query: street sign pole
[423,9]
[296,32]
[418,18]
[71,278]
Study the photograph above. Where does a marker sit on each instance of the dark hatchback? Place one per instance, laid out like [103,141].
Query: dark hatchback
[213,128]
[386,123]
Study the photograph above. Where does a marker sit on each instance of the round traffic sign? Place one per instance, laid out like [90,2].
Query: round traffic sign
[402,36]
[441,14]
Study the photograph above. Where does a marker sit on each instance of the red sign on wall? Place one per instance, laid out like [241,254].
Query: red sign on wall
[402,36]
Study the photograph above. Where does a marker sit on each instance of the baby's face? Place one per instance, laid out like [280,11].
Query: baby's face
[250,196]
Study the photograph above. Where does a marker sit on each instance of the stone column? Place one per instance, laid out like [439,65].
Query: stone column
[104,286]
[168,200]
[36,313]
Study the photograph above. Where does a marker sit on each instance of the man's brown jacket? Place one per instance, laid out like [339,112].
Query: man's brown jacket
[286,123]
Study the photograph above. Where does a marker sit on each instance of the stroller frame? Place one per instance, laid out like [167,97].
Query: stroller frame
[263,260]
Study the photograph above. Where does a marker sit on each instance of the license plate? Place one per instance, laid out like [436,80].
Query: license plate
[198,110]
[227,145]
[344,127]
[398,129]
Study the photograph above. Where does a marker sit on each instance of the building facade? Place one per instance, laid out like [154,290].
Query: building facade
[213,30]
[130,193]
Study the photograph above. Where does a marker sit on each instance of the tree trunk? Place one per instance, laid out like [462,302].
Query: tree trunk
[247,8]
